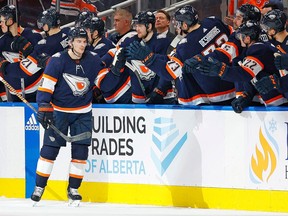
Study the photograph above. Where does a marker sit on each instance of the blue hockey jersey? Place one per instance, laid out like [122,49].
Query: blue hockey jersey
[210,35]
[27,68]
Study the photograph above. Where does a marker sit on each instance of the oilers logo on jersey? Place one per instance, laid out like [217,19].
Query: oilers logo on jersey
[144,72]
[78,85]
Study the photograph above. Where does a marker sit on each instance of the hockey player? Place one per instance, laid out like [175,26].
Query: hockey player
[65,99]
[230,53]
[8,14]
[95,28]
[17,42]
[258,63]
[274,23]
[31,67]
[147,87]
[98,43]
[199,37]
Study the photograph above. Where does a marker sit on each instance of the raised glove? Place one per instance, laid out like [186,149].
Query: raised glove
[22,45]
[45,114]
[268,83]
[281,61]
[135,51]
[156,97]
[238,104]
[190,65]
[3,64]
[118,62]
[212,67]
[42,60]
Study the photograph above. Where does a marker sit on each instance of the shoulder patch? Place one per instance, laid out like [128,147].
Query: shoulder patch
[99,46]
[57,55]
[43,41]
[184,40]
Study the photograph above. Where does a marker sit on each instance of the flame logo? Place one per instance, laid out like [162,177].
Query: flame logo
[263,161]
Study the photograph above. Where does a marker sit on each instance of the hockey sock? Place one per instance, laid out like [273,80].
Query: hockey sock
[76,173]
[45,164]
[77,165]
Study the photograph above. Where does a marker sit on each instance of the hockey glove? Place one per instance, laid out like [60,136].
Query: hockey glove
[22,45]
[42,60]
[135,51]
[45,114]
[118,62]
[281,61]
[156,97]
[3,64]
[190,65]
[268,83]
[212,67]
[238,104]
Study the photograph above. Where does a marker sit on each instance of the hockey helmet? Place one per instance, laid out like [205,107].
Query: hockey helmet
[94,23]
[274,19]
[50,17]
[249,28]
[249,12]
[187,14]
[145,17]
[77,32]
[8,11]
[83,16]
[274,4]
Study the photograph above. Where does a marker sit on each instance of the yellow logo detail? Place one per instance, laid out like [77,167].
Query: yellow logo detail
[263,162]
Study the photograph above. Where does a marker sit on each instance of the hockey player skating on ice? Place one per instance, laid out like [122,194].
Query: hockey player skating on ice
[65,98]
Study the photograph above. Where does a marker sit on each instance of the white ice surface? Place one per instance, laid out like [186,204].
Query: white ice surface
[24,207]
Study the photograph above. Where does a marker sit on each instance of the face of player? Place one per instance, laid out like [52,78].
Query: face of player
[141,30]
[4,28]
[237,21]
[45,28]
[79,45]
[161,21]
[90,35]
[182,26]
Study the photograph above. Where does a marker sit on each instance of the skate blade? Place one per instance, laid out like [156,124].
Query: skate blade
[74,203]
[34,204]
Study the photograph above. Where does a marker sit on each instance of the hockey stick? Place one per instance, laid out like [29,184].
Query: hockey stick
[75,138]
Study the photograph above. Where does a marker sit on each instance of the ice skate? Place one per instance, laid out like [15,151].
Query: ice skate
[74,197]
[37,194]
